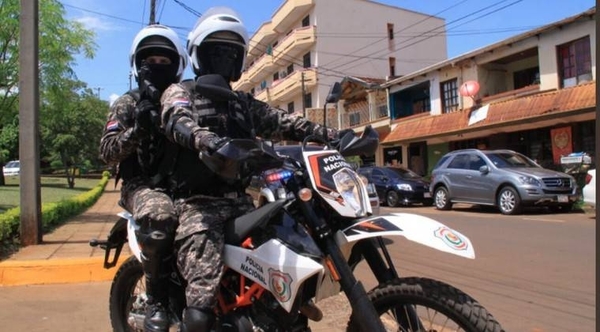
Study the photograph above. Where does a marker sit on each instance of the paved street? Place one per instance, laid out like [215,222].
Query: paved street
[533,272]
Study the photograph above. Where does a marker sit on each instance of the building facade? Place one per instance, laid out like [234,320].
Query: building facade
[537,96]
[295,58]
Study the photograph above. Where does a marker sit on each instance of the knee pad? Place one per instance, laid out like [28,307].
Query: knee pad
[155,242]
[197,320]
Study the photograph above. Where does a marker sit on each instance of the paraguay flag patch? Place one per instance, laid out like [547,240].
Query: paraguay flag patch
[112,125]
[181,102]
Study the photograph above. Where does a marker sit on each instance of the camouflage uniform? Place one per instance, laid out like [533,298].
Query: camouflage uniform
[199,237]
[121,144]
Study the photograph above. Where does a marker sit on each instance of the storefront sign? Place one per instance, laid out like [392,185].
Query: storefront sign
[561,143]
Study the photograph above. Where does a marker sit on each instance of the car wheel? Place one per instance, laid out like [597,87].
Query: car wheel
[442,199]
[392,199]
[509,201]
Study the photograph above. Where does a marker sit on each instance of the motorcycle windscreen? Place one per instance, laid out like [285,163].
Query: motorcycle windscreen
[337,183]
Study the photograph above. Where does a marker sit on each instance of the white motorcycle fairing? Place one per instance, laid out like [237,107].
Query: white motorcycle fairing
[132,226]
[414,227]
[274,266]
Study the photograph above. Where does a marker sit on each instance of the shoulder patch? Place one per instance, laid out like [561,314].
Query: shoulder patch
[112,125]
[180,102]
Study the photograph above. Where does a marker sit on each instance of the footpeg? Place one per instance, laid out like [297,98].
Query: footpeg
[311,311]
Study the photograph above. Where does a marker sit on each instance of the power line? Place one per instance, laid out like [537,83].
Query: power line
[188,8]
[430,31]
[403,29]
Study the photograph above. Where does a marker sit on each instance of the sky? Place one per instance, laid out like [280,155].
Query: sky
[470,24]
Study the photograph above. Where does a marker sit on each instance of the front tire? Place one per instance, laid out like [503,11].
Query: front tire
[392,199]
[128,297]
[441,198]
[437,305]
[509,201]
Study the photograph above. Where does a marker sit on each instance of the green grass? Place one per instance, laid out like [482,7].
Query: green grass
[53,190]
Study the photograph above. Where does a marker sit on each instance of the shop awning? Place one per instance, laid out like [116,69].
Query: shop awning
[566,100]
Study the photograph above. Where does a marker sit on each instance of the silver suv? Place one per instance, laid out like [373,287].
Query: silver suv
[502,178]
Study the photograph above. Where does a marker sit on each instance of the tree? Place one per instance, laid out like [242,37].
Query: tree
[59,41]
[72,123]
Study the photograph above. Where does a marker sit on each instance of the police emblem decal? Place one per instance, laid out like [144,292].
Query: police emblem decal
[450,238]
[280,284]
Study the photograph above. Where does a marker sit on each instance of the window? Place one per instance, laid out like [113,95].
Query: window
[290,107]
[476,162]
[392,62]
[449,92]
[306,60]
[390,29]
[354,119]
[290,69]
[461,161]
[574,62]
[382,111]
[525,77]
[308,100]
[252,91]
[275,76]
[270,50]
[263,85]
[306,21]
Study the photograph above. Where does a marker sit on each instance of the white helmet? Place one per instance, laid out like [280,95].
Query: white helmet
[218,26]
[155,37]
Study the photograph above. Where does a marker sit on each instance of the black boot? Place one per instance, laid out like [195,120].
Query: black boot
[196,320]
[157,315]
[156,261]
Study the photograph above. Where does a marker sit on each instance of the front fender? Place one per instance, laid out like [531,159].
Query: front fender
[416,228]
[132,227]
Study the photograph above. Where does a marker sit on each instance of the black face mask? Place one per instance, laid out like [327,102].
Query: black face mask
[161,76]
[221,59]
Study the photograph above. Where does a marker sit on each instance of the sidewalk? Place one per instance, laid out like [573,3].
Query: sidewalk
[64,256]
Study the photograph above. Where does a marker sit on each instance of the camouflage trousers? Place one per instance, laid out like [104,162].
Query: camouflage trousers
[152,207]
[199,243]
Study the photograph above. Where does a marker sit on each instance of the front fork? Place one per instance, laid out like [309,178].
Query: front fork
[357,295]
[380,262]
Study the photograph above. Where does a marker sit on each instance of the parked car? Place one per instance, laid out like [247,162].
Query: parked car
[589,190]
[502,178]
[12,168]
[398,186]
[264,190]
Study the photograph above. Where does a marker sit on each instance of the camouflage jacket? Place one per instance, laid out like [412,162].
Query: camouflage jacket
[120,144]
[191,121]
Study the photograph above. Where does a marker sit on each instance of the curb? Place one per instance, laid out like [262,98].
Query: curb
[57,271]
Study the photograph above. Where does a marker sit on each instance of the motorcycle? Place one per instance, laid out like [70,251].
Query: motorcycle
[286,256]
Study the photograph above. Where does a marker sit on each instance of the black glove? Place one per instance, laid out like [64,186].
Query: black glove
[216,142]
[143,117]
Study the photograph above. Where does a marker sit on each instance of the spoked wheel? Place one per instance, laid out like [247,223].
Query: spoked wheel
[128,297]
[392,199]
[438,306]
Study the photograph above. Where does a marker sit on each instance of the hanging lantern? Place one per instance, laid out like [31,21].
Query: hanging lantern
[469,89]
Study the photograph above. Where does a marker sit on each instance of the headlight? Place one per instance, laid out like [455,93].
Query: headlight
[349,186]
[529,180]
[404,186]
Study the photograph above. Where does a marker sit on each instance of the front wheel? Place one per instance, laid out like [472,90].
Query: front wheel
[127,302]
[438,306]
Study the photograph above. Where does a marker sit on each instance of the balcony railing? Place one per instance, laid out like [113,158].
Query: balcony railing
[292,46]
[362,116]
[289,13]
[261,68]
[290,86]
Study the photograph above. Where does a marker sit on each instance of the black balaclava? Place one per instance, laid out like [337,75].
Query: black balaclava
[161,76]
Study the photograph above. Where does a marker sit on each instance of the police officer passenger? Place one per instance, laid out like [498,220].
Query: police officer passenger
[217,45]
[131,139]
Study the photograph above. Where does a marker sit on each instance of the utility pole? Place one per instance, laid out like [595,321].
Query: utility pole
[303,96]
[130,74]
[152,11]
[29,103]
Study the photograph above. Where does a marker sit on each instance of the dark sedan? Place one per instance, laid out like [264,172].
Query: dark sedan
[398,186]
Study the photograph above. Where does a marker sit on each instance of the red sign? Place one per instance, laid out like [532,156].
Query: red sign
[561,143]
